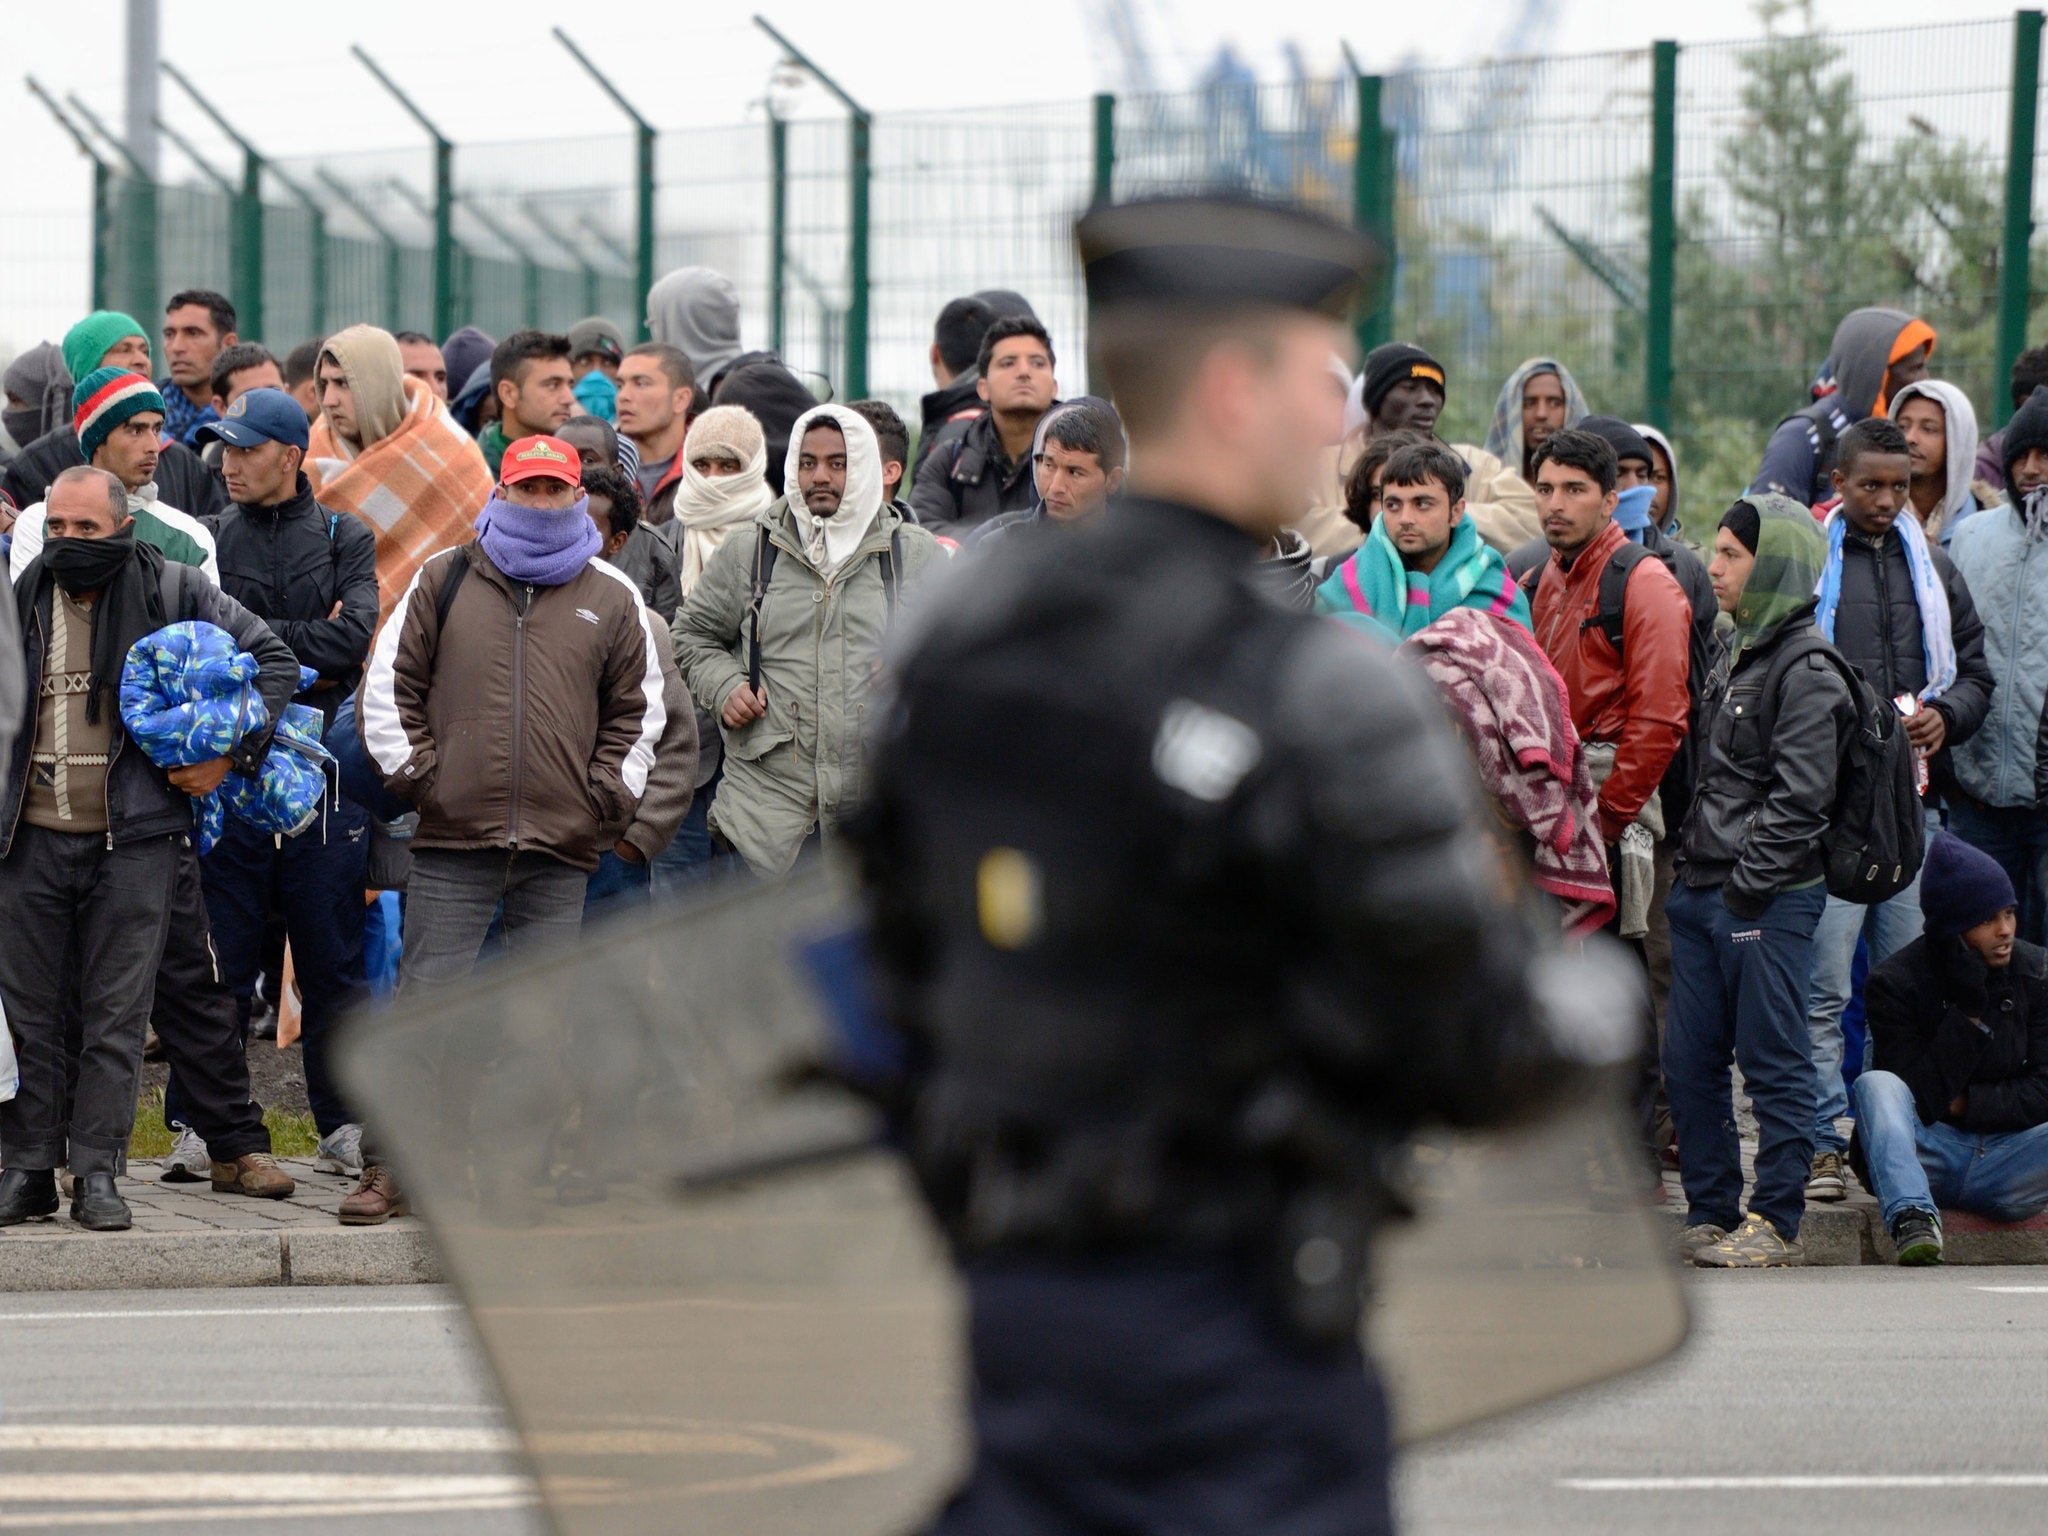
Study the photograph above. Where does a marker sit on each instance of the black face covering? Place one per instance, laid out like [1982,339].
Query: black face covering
[87,565]
[22,425]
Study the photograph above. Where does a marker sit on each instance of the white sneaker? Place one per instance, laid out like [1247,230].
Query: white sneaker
[188,1162]
[340,1151]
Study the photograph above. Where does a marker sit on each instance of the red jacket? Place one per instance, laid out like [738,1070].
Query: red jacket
[1641,706]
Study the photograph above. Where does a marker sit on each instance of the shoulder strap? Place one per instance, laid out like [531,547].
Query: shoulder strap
[444,600]
[1794,651]
[892,564]
[1614,592]
[765,551]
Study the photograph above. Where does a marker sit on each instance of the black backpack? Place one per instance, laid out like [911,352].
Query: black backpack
[1877,835]
[1703,653]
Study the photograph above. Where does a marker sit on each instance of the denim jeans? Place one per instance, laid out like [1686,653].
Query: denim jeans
[2018,839]
[694,856]
[316,879]
[2002,1175]
[454,893]
[1889,926]
[1738,992]
[616,885]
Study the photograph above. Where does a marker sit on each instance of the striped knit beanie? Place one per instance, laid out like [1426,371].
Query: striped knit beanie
[104,399]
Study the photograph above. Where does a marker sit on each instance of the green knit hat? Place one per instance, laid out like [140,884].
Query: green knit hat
[95,336]
[1791,552]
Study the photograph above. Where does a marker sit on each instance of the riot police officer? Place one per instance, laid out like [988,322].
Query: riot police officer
[1185,905]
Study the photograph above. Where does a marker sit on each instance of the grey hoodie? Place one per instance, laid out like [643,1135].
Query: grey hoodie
[697,310]
[1960,419]
[1850,389]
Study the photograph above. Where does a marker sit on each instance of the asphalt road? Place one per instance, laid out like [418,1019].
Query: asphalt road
[1838,1400]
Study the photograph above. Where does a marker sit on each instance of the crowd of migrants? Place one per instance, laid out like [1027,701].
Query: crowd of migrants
[563,624]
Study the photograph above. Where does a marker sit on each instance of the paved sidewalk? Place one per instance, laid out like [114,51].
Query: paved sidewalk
[186,1235]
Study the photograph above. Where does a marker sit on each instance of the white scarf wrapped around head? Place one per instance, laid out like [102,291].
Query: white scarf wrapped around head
[830,542]
[708,507]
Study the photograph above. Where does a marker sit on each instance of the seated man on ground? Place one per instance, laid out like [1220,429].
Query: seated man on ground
[1955,1111]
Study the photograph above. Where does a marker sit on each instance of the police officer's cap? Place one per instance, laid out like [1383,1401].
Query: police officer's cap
[1222,250]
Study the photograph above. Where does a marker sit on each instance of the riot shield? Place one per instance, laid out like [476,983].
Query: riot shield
[713,1302]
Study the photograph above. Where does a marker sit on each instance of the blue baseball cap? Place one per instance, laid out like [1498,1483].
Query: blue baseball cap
[260,416]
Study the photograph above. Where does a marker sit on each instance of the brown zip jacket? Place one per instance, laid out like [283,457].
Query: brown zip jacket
[530,720]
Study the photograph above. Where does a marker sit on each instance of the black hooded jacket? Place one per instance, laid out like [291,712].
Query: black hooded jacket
[1762,801]
[1801,452]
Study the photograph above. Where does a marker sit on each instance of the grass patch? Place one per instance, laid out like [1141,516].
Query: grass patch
[291,1134]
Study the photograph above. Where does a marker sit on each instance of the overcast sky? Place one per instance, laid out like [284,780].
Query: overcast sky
[284,75]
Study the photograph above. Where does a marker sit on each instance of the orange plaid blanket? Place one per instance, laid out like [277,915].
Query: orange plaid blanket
[420,489]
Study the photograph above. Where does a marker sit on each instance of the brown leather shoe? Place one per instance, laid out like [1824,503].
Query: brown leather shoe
[255,1174]
[376,1200]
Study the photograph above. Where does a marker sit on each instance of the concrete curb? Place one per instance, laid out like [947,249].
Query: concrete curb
[40,1256]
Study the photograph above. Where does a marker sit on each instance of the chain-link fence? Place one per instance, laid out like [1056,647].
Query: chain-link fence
[1681,228]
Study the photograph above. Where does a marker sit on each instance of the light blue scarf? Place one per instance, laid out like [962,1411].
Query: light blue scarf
[1935,639]
[1632,510]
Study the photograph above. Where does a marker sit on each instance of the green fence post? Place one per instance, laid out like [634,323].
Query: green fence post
[859,172]
[1105,149]
[444,198]
[778,229]
[1663,234]
[134,237]
[2015,276]
[1372,208]
[643,178]
[247,266]
[857,300]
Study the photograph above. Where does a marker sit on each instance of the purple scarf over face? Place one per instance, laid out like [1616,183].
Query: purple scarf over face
[531,545]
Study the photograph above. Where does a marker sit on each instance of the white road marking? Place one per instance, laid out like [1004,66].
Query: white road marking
[279,1440]
[2015,1290]
[171,1487]
[1817,1481]
[32,1317]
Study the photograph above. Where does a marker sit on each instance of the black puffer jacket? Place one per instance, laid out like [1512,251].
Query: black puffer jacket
[1921,1003]
[1762,802]
[182,478]
[289,565]
[1877,628]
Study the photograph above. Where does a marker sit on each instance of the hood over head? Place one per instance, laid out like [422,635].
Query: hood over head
[831,541]
[464,350]
[697,310]
[1791,551]
[1504,437]
[375,371]
[1960,418]
[1866,344]
[1658,440]
[39,379]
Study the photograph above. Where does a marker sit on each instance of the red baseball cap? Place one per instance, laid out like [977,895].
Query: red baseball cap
[538,457]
